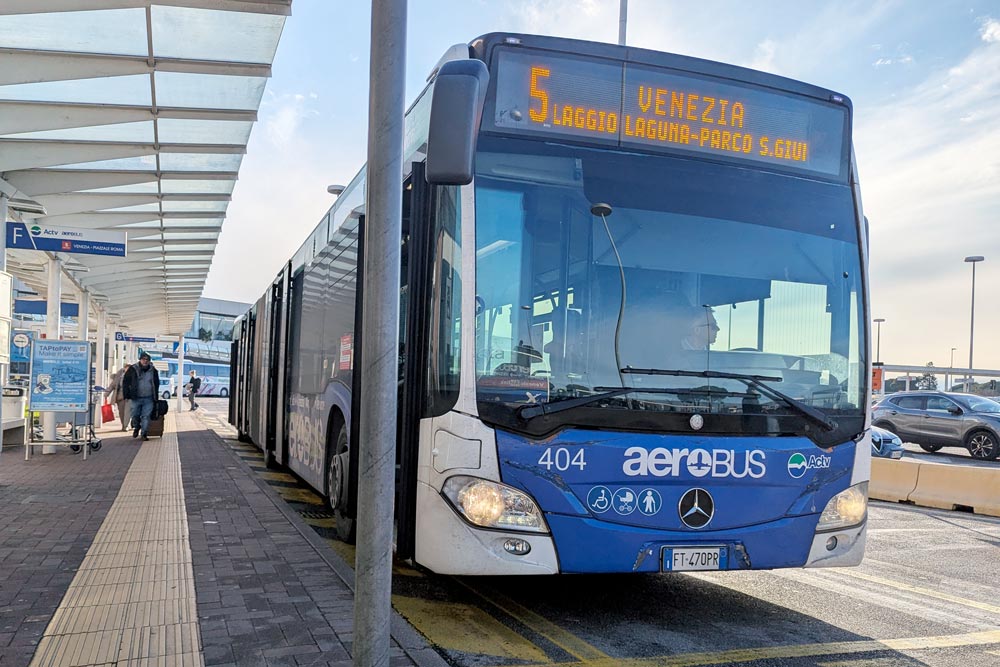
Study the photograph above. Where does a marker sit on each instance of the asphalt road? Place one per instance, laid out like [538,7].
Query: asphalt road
[926,594]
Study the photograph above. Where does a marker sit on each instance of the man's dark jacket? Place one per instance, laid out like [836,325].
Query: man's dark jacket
[130,383]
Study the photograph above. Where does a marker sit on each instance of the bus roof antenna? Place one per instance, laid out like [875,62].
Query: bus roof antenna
[601,209]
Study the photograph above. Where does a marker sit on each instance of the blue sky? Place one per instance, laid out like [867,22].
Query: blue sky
[924,78]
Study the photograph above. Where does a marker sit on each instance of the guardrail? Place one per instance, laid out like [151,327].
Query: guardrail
[936,485]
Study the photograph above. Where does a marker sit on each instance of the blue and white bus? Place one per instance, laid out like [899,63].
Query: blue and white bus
[214,376]
[634,326]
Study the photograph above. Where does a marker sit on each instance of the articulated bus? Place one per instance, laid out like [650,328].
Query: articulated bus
[633,321]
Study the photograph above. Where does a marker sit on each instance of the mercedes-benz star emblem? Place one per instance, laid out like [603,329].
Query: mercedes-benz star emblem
[697,421]
[696,508]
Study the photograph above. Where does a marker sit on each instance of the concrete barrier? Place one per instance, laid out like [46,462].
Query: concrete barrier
[893,480]
[950,486]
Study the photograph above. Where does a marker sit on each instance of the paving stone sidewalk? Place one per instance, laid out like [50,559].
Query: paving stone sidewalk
[267,593]
[52,506]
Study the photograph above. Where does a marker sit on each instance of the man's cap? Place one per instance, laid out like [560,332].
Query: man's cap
[144,356]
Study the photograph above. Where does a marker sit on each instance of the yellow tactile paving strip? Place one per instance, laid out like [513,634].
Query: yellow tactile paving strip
[132,602]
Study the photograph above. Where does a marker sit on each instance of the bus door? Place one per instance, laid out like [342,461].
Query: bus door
[417,263]
[276,447]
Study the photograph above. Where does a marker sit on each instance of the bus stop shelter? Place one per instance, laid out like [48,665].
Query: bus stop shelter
[129,116]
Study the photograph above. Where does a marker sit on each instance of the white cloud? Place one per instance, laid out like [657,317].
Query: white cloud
[885,62]
[763,57]
[931,184]
[990,30]
[283,115]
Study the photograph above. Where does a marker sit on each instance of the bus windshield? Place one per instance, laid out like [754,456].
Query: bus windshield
[694,266]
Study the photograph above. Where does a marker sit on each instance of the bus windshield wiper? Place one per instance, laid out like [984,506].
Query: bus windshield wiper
[531,411]
[756,381]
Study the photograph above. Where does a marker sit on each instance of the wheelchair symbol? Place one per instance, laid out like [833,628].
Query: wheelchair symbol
[599,499]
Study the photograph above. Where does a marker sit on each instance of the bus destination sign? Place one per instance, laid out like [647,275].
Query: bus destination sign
[666,110]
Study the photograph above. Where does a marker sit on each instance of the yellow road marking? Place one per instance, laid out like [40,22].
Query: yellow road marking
[877,662]
[898,585]
[465,628]
[343,549]
[299,495]
[347,552]
[272,476]
[796,651]
[565,640]
[321,523]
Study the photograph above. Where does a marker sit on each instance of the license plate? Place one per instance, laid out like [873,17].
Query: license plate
[693,559]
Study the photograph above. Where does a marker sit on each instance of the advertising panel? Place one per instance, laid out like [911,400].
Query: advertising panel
[59,376]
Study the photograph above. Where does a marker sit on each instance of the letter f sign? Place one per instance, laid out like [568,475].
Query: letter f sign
[17,230]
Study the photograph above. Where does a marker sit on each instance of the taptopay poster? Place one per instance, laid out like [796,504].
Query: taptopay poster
[59,376]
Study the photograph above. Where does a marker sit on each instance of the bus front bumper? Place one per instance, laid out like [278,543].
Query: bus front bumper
[586,545]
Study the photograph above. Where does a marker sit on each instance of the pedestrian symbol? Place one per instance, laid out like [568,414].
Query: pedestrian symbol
[625,501]
[599,499]
[650,501]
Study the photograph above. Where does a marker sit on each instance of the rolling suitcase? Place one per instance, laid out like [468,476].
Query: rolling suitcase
[156,425]
[155,429]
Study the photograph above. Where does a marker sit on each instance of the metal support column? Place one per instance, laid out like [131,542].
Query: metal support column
[622,21]
[380,347]
[3,267]
[180,373]
[102,342]
[83,316]
[53,330]
[83,325]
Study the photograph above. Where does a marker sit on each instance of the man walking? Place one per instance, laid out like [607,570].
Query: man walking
[140,385]
[193,385]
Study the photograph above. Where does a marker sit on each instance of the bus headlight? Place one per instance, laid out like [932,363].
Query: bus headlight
[493,505]
[847,508]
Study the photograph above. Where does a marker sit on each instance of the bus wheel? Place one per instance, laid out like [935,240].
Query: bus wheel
[337,471]
[224,393]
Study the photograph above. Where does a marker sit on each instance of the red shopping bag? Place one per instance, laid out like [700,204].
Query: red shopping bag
[107,413]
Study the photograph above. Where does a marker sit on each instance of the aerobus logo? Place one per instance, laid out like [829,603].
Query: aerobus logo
[663,462]
[799,465]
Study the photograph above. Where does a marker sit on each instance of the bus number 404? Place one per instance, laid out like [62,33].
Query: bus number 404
[562,459]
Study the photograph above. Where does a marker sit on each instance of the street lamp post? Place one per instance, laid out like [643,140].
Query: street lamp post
[974,259]
[878,338]
[951,364]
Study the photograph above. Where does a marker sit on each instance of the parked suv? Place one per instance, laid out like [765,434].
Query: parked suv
[935,419]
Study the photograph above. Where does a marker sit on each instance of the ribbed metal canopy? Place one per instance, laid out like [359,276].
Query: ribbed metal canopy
[131,115]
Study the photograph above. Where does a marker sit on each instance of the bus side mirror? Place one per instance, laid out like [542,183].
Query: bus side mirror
[456,111]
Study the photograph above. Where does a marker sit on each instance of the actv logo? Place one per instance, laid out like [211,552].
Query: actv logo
[798,464]
[663,462]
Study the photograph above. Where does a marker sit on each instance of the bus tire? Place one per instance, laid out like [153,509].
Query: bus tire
[224,393]
[337,471]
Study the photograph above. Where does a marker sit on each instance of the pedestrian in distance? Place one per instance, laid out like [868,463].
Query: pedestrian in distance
[141,383]
[193,385]
[116,395]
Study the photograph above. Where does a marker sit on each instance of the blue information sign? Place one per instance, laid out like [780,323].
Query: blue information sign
[59,377]
[65,239]
[119,336]
[20,347]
